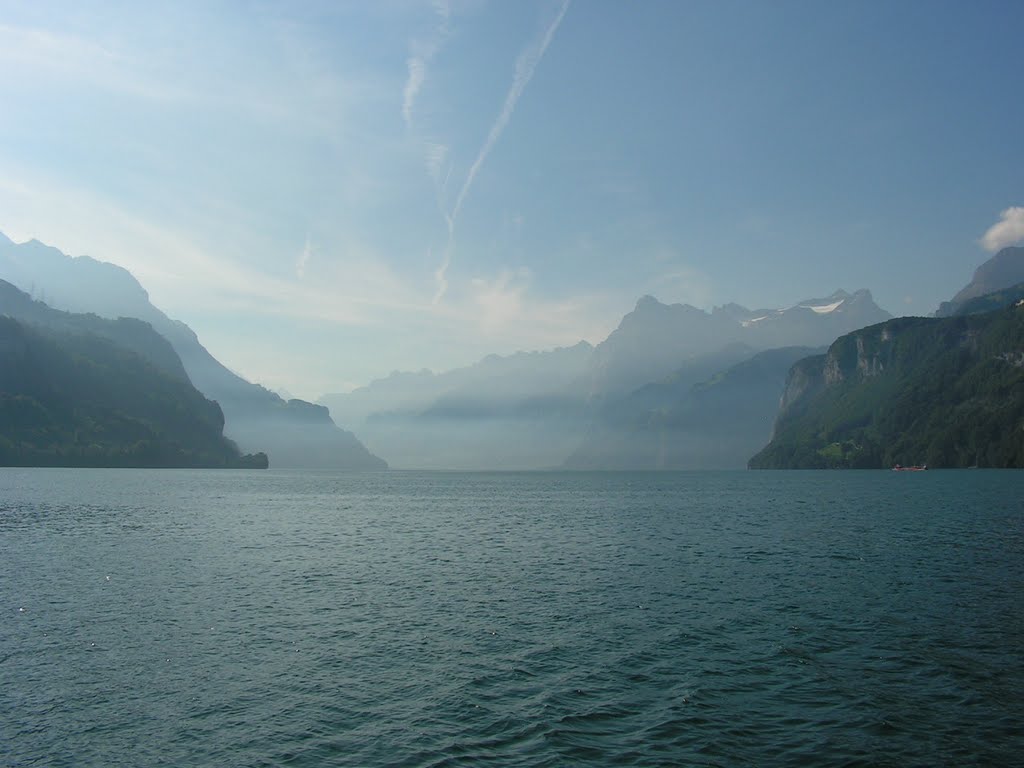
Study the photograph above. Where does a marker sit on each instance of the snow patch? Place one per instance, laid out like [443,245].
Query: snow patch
[824,308]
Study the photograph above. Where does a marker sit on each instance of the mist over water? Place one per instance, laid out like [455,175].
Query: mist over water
[428,619]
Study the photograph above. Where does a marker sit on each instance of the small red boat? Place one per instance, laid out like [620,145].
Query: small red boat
[915,468]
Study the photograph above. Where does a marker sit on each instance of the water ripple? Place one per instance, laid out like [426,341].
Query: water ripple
[446,619]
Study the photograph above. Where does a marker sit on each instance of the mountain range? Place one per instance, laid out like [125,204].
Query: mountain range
[946,391]
[80,390]
[587,407]
[521,411]
[655,339]
[292,433]
[672,387]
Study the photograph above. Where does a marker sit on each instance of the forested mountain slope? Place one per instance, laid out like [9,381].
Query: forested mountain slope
[948,392]
[293,432]
[74,398]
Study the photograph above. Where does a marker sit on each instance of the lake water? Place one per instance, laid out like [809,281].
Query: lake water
[541,619]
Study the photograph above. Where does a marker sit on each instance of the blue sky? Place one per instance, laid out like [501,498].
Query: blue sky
[330,191]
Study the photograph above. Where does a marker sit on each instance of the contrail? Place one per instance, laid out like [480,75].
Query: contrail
[303,260]
[421,57]
[526,65]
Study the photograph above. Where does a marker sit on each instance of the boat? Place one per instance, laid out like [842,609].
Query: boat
[915,468]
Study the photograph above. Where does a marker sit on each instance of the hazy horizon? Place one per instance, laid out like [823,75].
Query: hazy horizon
[329,192]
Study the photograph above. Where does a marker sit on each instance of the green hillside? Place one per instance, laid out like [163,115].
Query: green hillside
[81,399]
[948,392]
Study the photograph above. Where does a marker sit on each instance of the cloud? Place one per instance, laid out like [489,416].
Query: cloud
[303,260]
[421,56]
[499,302]
[208,284]
[526,65]
[36,57]
[501,312]
[1006,232]
[417,75]
[183,269]
[436,155]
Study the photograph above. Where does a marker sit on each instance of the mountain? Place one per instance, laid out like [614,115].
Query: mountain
[656,339]
[132,334]
[945,391]
[1002,271]
[991,301]
[520,411]
[532,410]
[72,395]
[495,382]
[677,424]
[293,433]
[662,394]
[813,322]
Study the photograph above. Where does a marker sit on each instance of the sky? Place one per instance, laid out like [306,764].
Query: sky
[330,191]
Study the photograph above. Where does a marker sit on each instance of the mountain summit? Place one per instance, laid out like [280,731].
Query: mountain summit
[655,339]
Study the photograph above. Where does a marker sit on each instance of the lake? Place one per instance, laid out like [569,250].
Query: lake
[243,618]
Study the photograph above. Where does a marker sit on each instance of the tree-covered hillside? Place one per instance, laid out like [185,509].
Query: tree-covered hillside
[292,432]
[80,399]
[948,392]
[128,332]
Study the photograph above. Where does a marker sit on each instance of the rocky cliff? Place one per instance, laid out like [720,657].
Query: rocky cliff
[945,391]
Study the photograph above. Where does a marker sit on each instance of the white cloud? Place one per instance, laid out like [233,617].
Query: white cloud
[1009,230]
[498,302]
[500,313]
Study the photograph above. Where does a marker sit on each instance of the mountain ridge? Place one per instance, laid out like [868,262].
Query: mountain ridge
[1003,270]
[628,359]
[256,418]
[948,392]
[541,408]
[72,395]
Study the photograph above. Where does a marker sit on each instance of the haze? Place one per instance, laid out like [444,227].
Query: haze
[326,192]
